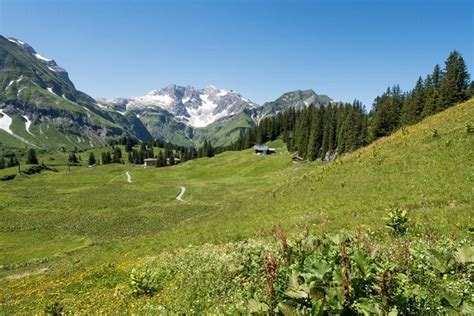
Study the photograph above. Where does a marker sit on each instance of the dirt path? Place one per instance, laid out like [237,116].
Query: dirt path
[129,177]
[180,195]
[25,274]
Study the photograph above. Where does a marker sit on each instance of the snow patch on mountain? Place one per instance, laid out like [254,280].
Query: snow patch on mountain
[51,90]
[27,124]
[5,122]
[40,57]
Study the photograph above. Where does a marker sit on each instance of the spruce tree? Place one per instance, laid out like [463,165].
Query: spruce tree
[31,158]
[91,161]
[455,81]
[413,104]
[73,158]
[316,135]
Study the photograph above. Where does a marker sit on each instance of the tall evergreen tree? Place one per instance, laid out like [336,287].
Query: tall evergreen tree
[91,161]
[31,158]
[455,81]
[73,158]
[316,134]
[414,104]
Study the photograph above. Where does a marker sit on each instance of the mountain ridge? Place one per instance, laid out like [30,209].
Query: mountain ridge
[37,92]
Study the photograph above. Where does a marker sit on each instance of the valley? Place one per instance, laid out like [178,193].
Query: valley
[236,157]
[90,227]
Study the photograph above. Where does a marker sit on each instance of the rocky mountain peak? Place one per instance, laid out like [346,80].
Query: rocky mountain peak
[50,63]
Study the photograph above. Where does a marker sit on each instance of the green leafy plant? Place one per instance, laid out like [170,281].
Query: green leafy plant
[398,221]
[54,308]
[145,281]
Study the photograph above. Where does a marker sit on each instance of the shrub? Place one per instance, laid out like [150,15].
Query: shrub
[8,177]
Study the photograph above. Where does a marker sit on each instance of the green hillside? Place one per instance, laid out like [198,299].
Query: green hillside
[74,237]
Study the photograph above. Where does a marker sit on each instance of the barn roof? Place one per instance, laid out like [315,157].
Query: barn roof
[261,147]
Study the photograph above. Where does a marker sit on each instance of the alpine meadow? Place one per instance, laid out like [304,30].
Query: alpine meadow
[272,198]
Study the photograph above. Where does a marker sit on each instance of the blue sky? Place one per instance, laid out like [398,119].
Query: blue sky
[345,49]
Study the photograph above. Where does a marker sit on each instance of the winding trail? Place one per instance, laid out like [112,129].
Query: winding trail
[180,195]
[129,177]
[25,274]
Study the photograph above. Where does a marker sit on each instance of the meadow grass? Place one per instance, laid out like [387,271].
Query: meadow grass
[90,227]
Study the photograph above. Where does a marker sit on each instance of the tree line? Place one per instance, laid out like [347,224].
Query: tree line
[438,91]
[136,151]
[325,132]
[313,132]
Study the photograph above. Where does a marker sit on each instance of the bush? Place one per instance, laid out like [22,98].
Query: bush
[8,177]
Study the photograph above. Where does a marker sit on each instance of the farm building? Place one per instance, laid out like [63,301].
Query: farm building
[176,161]
[150,162]
[264,150]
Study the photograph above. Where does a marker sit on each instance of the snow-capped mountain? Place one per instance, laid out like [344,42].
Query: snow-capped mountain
[194,107]
[37,96]
[50,63]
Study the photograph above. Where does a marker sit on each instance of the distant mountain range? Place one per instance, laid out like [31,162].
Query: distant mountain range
[40,107]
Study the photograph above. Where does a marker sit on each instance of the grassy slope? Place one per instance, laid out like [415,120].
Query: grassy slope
[90,227]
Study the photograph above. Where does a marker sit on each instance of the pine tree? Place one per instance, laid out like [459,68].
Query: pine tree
[303,124]
[91,161]
[31,158]
[12,161]
[117,155]
[73,158]
[431,96]
[455,81]
[413,104]
[161,159]
[316,135]
[387,108]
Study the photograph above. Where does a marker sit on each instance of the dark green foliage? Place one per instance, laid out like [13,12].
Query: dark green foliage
[455,82]
[117,155]
[54,309]
[91,161]
[432,98]
[440,90]
[314,132]
[398,221]
[413,104]
[333,274]
[31,158]
[8,177]
[106,158]
[206,150]
[145,282]
[72,159]
[12,162]
[386,112]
